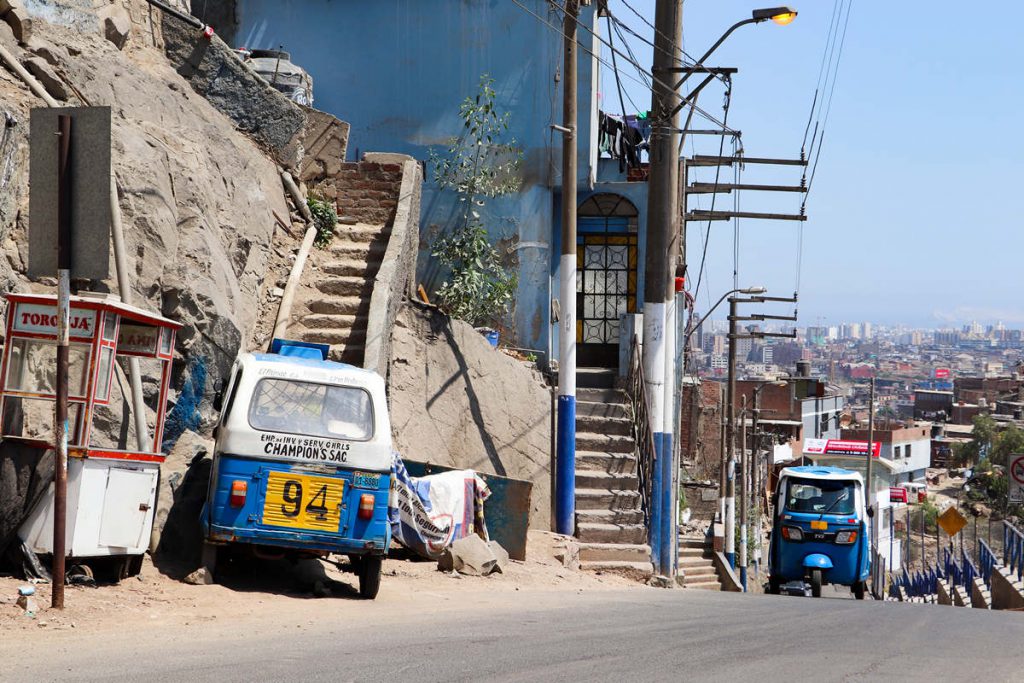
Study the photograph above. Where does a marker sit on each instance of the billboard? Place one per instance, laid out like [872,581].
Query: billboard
[943,373]
[840,447]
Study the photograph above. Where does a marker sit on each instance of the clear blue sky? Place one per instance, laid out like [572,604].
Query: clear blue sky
[911,216]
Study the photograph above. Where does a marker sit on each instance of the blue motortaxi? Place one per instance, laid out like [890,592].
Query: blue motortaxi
[820,531]
[302,462]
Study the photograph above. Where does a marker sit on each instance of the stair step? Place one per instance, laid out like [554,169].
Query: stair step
[341,305]
[345,286]
[607,499]
[615,552]
[333,321]
[611,533]
[600,409]
[359,250]
[607,443]
[694,552]
[704,585]
[698,574]
[691,542]
[361,232]
[645,568]
[335,336]
[593,395]
[611,463]
[363,269]
[695,561]
[352,354]
[590,479]
[610,516]
[596,424]
[596,378]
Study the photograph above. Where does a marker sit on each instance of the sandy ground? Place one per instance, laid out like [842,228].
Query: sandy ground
[275,592]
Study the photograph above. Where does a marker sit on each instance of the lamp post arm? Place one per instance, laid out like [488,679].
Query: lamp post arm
[711,310]
[700,62]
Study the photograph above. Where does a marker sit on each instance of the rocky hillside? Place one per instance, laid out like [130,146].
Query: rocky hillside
[200,200]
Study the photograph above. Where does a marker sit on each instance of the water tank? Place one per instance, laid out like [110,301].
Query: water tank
[803,368]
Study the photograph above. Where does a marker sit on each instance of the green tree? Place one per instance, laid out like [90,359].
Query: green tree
[1006,443]
[477,166]
[983,437]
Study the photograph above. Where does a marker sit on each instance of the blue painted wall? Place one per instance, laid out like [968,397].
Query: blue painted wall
[397,70]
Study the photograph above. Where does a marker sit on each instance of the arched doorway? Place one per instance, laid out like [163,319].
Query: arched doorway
[606,258]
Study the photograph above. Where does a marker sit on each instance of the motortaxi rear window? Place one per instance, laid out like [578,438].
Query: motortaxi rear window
[324,410]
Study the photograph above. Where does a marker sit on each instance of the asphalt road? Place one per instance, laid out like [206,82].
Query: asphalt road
[637,635]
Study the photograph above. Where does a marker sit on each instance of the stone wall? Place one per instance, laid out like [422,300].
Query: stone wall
[700,434]
[458,402]
[364,191]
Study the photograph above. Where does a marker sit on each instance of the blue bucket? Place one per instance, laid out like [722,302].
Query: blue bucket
[490,335]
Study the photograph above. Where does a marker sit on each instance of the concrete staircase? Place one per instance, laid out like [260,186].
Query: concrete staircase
[696,564]
[336,302]
[609,519]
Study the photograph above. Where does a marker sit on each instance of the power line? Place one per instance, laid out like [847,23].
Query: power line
[633,62]
[714,195]
[615,66]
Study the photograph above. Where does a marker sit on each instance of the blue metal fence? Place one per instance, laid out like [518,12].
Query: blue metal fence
[986,562]
[1013,549]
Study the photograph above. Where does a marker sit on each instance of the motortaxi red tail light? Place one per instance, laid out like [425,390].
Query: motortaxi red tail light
[366,506]
[239,489]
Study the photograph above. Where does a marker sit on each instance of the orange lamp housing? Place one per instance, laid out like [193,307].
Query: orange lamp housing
[239,490]
[366,502]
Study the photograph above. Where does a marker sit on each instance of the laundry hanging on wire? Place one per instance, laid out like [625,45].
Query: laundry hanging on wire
[626,138]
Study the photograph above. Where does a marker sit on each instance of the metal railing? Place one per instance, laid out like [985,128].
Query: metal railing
[643,434]
[986,562]
[1013,549]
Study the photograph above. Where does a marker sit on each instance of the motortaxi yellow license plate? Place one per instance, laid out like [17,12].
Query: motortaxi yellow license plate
[819,525]
[300,501]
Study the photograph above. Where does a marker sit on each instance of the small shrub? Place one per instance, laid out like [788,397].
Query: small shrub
[325,217]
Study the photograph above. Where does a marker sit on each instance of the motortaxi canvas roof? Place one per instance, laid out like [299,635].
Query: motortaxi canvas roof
[824,473]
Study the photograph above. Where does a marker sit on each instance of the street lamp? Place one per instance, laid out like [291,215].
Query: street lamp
[745,290]
[779,15]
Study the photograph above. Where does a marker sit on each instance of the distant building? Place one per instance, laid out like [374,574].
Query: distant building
[947,337]
[936,406]
[816,336]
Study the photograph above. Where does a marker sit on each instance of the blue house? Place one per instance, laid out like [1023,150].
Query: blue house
[397,70]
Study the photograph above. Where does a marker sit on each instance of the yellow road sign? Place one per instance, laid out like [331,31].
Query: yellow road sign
[951,521]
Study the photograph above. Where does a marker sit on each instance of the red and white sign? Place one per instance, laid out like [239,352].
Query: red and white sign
[838,447]
[42,319]
[137,339]
[1016,492]
[897,494]
[943,373]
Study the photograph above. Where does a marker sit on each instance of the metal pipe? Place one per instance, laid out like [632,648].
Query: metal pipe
[565,478]
[174,12]
[60,470]
[296,195]
[27,78]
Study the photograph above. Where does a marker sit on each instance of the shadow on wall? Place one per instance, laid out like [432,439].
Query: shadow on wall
[443,324]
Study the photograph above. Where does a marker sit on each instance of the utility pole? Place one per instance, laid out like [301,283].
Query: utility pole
[662,218]
[869,485]
[565,476]
[730,465]
[60,469]
[744,491]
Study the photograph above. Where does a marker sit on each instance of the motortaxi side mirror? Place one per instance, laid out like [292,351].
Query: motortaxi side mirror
[218,396]
[871,511]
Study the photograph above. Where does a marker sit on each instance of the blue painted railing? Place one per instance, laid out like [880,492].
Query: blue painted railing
[986,562]
[1013,549]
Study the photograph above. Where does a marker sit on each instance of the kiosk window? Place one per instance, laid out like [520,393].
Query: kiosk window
[33,367]
[103,377]
[324,410]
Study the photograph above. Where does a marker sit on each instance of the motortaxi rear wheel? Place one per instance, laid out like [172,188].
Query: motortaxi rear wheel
[858,590]
[816,583]
[369,569]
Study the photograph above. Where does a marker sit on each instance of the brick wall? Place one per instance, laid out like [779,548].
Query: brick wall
[700,437]
[366,191]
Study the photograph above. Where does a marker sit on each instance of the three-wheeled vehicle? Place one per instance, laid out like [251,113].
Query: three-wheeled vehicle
[820,531]
[302,462]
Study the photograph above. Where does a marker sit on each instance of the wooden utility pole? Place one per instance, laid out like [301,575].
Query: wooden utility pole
[565,460]
[662,219]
